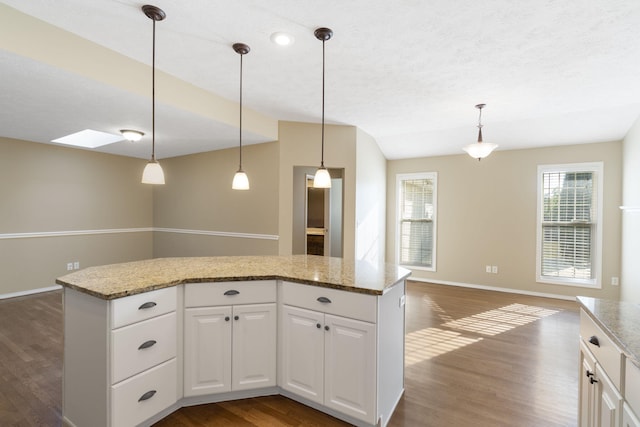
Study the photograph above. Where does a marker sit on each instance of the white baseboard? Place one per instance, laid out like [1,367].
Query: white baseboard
[493,288]
[30,292]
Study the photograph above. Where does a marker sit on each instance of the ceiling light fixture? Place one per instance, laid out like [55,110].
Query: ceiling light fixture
[282,39]
[153,173]
[240,179]
[322,179]
[480,149]
[131,135]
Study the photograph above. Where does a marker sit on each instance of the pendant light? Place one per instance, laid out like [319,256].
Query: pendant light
[480,150]
[153,173]
[322,179]
[240,179]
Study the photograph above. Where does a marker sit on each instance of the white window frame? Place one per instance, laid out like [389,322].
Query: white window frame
[409,176]
[596,265]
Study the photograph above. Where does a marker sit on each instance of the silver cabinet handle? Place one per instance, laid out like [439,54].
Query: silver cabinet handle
[232,292]
[146,305]
[324,300]
[147,344]
[147,395]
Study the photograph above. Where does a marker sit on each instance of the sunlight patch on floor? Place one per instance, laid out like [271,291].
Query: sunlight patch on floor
[500,320]
[427,343]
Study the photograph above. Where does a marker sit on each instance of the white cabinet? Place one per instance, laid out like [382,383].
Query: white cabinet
[601,402]
[629,418]
[610,400]
[126,362]
[120,364]
[326,358]
[229,347]
[588,393]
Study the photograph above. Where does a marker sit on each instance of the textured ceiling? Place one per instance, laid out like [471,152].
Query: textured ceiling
[407,72]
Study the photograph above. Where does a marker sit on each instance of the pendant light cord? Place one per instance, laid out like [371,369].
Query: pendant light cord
[240,167]
[322,153]
[153,95]
[480,125]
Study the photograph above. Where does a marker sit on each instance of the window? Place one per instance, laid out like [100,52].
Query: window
[416,230]
[569,231]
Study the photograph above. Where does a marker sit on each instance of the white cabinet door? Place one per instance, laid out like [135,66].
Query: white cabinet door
[629,419]
[588,405]
[302,352]
[610,401]
[350,367]
[207,350]
[254,346]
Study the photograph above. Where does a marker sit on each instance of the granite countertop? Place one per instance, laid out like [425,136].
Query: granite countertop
[619,320]
[119,280]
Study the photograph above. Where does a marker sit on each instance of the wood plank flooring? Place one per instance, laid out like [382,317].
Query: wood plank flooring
[474,358]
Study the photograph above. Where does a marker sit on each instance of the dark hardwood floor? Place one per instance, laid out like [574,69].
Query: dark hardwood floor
[473,358]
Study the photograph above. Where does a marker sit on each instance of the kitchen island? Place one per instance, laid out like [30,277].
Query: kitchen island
[145,338]
[610,363]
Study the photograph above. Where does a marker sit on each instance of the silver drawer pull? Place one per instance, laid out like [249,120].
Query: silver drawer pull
[324,300]
[232,292]
[147,344]
[148,395]
[149,304]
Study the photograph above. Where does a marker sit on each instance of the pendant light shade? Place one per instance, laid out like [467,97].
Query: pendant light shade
[240,179]
[480,149]
[153,173]
[322,179]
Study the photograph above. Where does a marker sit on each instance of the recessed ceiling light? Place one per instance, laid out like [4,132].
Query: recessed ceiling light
[89,139]
[282,39]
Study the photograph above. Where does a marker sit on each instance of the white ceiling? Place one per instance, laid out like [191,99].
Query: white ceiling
[408,72]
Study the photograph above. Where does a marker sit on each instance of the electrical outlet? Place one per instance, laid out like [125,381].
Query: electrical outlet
[69,266]
[487,268]
[76,265]
[494,269]
[615,281]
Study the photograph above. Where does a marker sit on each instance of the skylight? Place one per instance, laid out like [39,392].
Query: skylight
[89,138]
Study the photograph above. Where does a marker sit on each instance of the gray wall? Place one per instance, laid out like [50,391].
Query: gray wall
[487,216]
[60,205]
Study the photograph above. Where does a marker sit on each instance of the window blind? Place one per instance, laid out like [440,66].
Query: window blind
[568,224]
[417,222]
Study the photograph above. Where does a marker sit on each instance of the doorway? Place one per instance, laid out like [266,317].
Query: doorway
[317,214]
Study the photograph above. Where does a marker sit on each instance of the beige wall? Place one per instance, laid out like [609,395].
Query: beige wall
[198,196]
[630,279]
[487,216]
[48,189]
[371,177]
[300,146]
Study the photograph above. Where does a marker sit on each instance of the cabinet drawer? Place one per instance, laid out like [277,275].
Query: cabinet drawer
[607,353]
[632,386]
[229,293]
[142,345]
[342,303]
[142,396]
[128,310]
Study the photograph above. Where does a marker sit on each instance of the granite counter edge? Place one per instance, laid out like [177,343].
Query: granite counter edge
[617,341]
[156,286]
